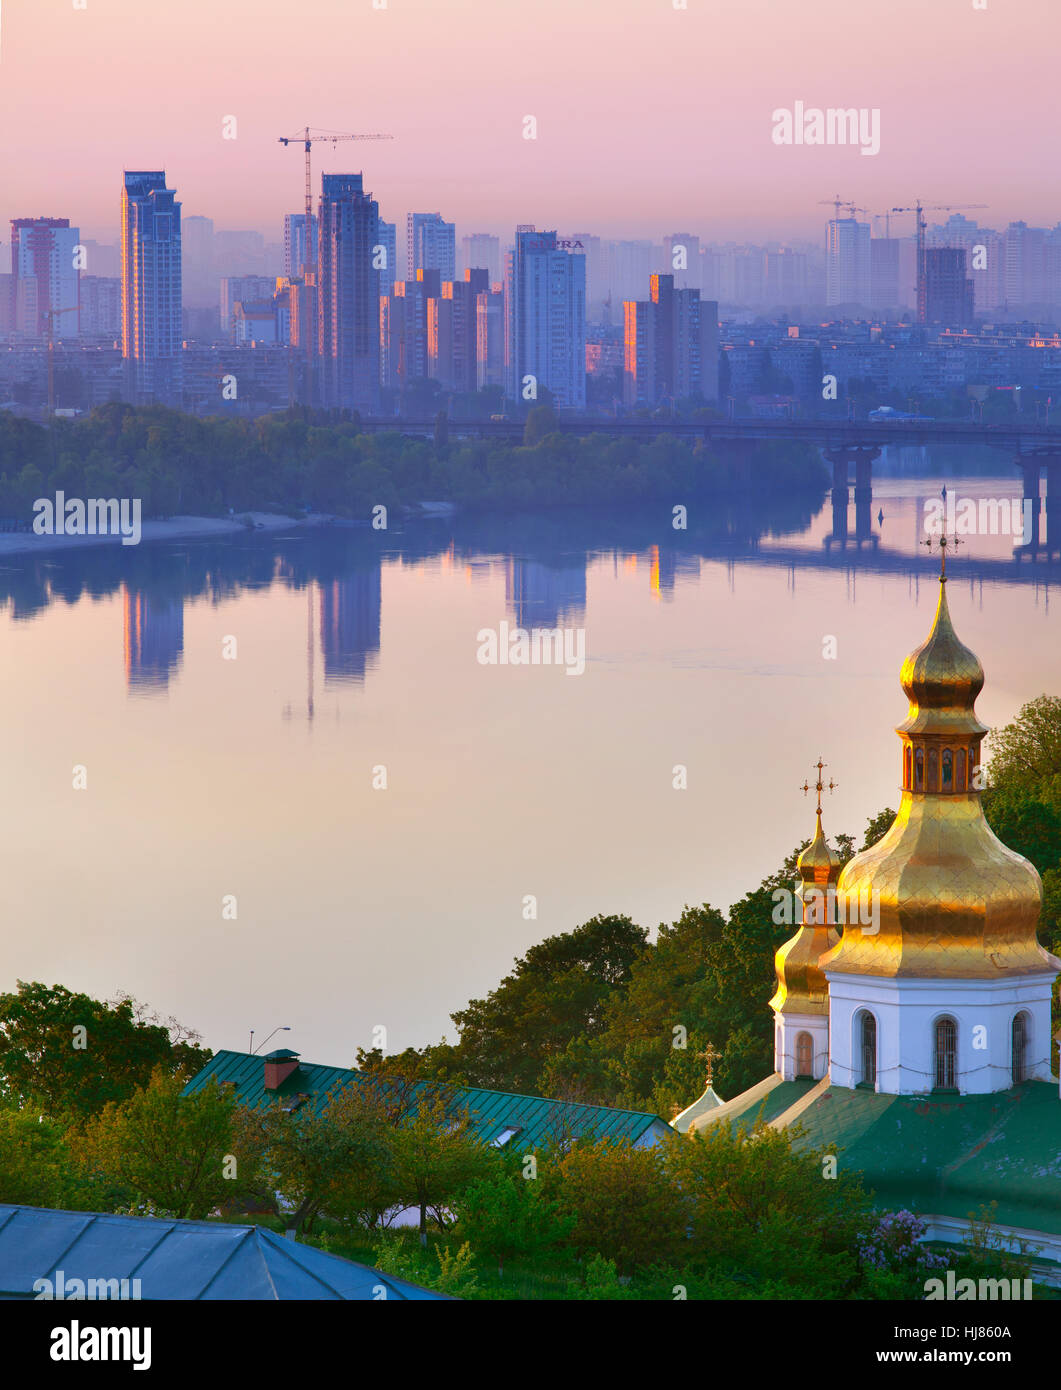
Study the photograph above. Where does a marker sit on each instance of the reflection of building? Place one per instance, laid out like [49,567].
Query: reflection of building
[541,595]
[350,636]
[666,566]
[153,637]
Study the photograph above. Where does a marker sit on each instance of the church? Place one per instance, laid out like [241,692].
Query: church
[915,1042]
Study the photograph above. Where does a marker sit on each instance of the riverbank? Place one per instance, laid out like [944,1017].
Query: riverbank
[174,528]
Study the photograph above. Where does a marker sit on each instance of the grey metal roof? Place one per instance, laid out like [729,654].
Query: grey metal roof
[179,1259]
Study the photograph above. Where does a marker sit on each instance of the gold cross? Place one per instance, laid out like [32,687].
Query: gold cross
[819,786]
[710,1056]
[942,542]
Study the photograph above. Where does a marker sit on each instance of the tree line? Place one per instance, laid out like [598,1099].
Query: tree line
[299,459]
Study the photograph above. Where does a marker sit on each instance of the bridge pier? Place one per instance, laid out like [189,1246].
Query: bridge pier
[861,456]
[1052,544]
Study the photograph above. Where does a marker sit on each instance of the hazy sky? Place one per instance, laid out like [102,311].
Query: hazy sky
[649,118]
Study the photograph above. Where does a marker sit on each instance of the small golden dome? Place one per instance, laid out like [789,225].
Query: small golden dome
[801,986]
[818,864]
[942,679]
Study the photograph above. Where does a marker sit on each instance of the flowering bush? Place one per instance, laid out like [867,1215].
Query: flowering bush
[893,1245]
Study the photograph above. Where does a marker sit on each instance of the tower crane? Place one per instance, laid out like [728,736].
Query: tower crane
[51,315]
[307,139]
[837,203]
[919,209]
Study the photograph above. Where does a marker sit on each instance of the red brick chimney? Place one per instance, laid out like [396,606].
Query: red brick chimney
[279,1065]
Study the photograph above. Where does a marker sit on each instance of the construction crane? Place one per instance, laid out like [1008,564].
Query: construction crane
[920,209]
[51,315]
[837,203]
[307,139]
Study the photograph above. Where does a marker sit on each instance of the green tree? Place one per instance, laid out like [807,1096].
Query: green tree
[541,421]
[1026,754]
[36,1167]
[437,1156]
[758,1206]
[557,992]
[74,1053]
[184,1154]
[623,1205]
[507,1215]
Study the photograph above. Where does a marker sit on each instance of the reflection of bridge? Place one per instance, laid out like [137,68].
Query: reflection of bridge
[1016,437]
[1042,545]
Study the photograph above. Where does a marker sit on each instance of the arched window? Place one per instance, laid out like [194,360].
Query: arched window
[946,768]
[919,770]
[974,760]
[869,1051]
[933,769]
[946,1054]
[1020,1048]
[906,768]
[959,770]
[804,1054]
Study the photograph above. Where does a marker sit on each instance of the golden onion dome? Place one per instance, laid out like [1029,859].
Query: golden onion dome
[940,896]
[801,986]
[942,679]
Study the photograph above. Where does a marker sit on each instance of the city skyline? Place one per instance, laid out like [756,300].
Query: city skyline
[712,120]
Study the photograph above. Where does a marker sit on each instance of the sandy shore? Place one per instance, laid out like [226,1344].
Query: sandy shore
[172,529]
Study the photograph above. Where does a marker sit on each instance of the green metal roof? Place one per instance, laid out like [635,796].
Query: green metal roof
[948,1155]
[536,1118]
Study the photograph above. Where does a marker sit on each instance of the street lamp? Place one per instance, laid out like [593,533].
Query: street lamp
[284,1028]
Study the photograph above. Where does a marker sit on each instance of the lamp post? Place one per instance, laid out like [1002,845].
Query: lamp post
[284,1028]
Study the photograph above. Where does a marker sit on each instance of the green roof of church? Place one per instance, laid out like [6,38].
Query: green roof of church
[935,1154]
[535,1118]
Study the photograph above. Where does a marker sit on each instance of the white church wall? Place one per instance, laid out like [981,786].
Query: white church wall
[907,1010]
[787,1028]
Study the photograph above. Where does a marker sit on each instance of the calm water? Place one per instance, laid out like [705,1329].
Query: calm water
[360,907]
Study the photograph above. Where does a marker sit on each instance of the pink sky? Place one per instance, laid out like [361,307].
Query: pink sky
[650,119]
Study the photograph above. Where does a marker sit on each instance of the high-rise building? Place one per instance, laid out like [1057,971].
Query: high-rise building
[296,258]
[430,245]
[681,258]
[948,291]
[405,317]
[481,251]
[151,287]
[490,337]
[45,249]
[101,307]
[235,288]
[387,255]
[348,294]
[847,262]
[985,258]
[785,277]
[884,273]
[1025,282]
[451,332]
[670,345]
[545,334]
